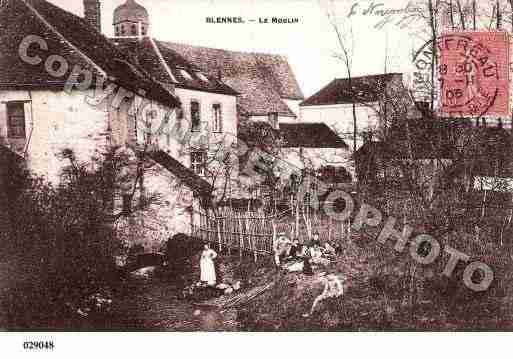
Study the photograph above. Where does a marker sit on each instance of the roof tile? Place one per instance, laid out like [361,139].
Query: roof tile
[263,80]
[364,89]
[74,39]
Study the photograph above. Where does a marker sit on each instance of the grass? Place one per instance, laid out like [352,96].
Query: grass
[380,296]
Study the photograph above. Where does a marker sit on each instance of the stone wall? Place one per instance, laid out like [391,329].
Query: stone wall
[56,121]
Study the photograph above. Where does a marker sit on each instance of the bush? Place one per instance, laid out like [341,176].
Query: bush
[60,240]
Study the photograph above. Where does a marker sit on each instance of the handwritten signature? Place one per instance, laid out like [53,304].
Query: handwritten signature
[407,13]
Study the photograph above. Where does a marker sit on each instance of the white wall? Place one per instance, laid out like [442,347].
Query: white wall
[163,219]
[315,158]
[215,142]
[56,121]
[340,119]
[294,106]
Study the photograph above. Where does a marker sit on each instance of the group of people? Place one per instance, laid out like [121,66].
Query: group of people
[301,257]
[297,257]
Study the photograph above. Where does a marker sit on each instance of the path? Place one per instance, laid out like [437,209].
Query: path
[153,304]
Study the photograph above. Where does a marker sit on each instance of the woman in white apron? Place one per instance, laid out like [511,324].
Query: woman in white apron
[208,271]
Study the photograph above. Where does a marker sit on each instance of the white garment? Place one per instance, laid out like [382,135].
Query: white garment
[208,271]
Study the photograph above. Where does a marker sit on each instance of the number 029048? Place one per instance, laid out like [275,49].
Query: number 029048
[43,345]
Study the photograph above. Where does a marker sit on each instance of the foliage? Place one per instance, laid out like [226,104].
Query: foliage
[60,238]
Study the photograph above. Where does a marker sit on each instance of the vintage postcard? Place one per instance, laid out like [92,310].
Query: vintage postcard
[261,166]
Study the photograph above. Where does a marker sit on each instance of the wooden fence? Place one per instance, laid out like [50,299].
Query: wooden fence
[252,231]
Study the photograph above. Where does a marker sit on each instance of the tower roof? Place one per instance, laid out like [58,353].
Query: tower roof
[131,11]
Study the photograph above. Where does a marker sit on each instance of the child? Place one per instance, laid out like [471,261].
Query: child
[332,289]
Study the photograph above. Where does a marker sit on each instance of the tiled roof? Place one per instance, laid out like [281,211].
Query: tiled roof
[263,80]
[184,174]
[143,52]
[364,89]
[72,38]
[291,135]
[310,135]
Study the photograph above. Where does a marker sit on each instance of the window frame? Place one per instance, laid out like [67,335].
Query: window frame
[217,126]
[199,166]
[12,133]
[193,127]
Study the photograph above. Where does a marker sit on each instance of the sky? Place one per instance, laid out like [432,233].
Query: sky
[309,45]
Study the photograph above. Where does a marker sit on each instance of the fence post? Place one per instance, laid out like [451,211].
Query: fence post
[241,238]
[219,233]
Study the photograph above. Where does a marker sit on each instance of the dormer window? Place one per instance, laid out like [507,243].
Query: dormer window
[185,74]
[202,77]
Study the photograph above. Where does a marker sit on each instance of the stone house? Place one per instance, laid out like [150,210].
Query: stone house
[63,85]
[220,91]
[377,101]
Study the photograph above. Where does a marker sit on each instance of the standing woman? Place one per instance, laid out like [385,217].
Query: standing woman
[208,271]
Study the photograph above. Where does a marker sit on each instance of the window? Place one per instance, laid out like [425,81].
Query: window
[218,118]
[180,114]
[273,119]
[123,32]
[198,162]
[16,120]
[134,29]
[195,116]
[143,31]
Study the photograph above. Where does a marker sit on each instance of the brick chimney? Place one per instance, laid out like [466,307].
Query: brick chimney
[92,13]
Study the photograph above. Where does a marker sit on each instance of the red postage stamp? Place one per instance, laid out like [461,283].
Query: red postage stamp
[473,74]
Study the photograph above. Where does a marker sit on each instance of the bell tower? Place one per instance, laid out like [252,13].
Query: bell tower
[131,20]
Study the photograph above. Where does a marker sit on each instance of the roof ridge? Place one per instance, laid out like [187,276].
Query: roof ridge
[227,50]
[367,76]
[162,61]
[61,36]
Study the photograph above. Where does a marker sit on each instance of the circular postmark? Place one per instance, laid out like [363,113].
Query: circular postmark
[465,78]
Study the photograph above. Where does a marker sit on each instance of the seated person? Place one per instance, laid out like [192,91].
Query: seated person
[316,254]
[295,249]
[281,248]
[307,265]
[328,250]
[315,239]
